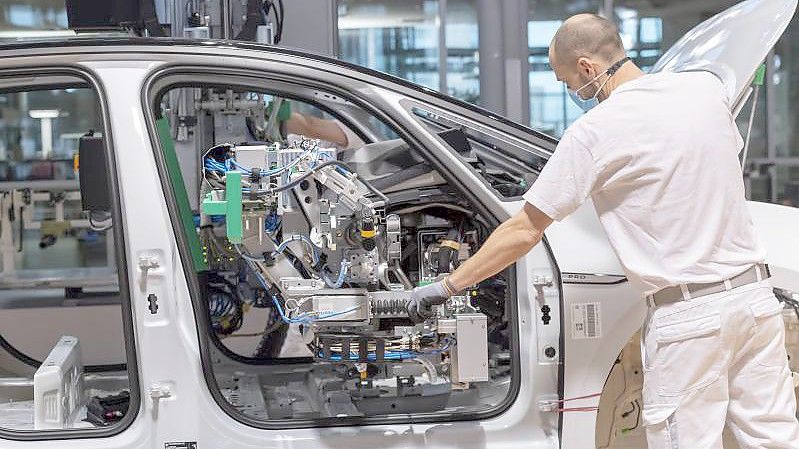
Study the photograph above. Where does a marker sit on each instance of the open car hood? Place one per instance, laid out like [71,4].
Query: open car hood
[731,44]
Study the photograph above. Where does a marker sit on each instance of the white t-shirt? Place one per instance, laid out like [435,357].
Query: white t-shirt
[659,158]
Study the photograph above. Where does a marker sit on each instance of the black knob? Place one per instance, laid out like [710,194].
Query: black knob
[550,352]
[47,241]
[545,317]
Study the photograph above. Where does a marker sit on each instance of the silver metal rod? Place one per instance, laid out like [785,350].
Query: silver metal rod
[16,382]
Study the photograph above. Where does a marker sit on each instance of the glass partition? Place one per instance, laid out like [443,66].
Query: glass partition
[551,110]
[405,39]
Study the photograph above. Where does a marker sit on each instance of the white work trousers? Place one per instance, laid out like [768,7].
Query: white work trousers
[718,359]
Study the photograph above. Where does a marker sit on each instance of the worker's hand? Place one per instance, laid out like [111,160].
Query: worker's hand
[420,307]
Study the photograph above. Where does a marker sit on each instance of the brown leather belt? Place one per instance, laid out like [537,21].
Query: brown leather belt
[684,292]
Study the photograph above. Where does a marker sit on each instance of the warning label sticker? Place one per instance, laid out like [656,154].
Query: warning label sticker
[586,321]
[181,445]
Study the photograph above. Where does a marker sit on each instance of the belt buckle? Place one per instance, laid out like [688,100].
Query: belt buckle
[762,271]
[727,285]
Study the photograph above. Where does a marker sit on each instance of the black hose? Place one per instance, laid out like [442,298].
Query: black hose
[30,361]
[21,228]
[19,355]
[280,14]
[279,33]
[308,174]
[265,8]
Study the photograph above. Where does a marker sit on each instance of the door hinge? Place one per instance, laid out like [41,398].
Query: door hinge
[159,392]
[542,281]
[539,283]
[148,263]
[549,403]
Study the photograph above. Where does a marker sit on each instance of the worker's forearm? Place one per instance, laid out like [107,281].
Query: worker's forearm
[316,128]
[507,243]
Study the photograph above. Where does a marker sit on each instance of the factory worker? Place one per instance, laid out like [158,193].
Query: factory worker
[295,125]
[331,131]
[658,156]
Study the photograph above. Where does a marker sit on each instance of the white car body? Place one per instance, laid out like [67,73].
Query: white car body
[176,402]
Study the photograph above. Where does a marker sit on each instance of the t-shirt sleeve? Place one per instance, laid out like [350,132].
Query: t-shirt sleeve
[719,86]
[566,181]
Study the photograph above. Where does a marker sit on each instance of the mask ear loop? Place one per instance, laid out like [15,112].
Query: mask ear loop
[610,71]
[589,83]
[596,95]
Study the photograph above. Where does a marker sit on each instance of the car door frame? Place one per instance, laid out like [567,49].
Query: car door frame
[383,103]
[35,69]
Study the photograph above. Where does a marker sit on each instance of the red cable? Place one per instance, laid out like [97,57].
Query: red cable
[580,397]
[578,409]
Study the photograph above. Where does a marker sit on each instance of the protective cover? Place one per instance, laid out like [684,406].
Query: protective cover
[731,44]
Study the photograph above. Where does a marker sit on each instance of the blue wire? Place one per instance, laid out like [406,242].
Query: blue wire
[282,247]
[389,355]
[342,275]
[280,312]
[324,315]
[214,163]
[286,319]
[275,301]
[238,166]
[212,167]
[275,171]
[272,222]
[229,163]
[306,318]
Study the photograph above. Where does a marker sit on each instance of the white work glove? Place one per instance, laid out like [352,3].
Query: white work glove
[420,307]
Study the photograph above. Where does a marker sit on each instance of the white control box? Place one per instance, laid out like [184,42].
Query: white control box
[470,355]
[58,386]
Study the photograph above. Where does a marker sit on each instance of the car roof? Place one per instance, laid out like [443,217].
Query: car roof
[123,44]
[139,45]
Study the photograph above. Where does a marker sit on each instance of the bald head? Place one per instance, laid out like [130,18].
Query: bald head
[586,35]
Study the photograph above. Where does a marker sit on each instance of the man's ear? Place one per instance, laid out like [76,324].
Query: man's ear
[585,66]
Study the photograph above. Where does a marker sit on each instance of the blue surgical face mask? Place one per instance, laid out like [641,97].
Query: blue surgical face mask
[590,103]
[585,105]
